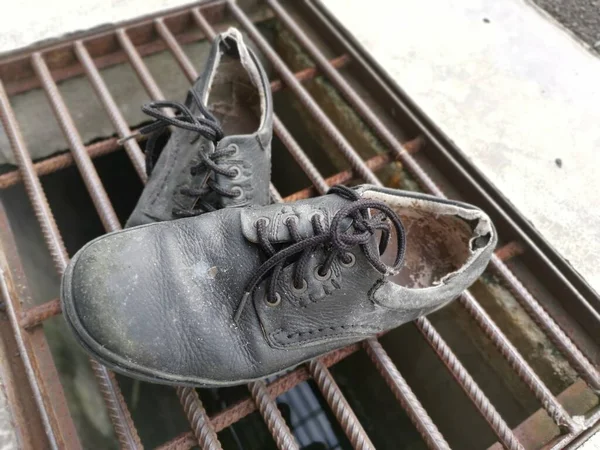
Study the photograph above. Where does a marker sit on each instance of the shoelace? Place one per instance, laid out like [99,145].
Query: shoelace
[337,242]
[205,125]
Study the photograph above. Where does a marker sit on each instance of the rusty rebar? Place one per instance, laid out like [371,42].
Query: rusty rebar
[510,250]
[405,396]
[577,359]
[175,48]
[460,374]
[82,159]
[58,162]
[118,412]
[275,422]
[33,186]
[37,314]
[540,316]
[138,65]
[203,431]
[302,95]
[339,405]
[532,306]
[245,407]
[310,72]
[110,105]
[554,409]
[468,385]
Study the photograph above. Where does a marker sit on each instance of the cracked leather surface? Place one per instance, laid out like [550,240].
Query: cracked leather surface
[159,300]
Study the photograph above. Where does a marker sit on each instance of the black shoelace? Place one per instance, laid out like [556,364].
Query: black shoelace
[205,125]
[336,241]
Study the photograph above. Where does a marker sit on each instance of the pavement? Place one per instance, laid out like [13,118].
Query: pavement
[582,17]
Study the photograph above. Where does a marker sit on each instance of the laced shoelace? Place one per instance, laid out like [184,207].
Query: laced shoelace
[204,125]
[336,242]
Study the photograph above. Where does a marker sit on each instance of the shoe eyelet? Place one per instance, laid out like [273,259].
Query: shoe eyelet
[320,215]
[320,277]
[352,260]
[235,149]
[302,289]
[266,220]
[239,192]
[237,172]
[293,218]
[275,303]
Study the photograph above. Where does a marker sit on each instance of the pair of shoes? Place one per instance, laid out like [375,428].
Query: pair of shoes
[243,289]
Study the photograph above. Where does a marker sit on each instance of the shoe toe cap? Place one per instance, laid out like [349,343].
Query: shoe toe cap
[145,319]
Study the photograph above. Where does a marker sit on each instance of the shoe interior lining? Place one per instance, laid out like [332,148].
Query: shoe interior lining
[234,96]
[440,239]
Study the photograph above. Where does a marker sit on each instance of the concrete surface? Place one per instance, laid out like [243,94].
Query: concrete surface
[518,94]
[28,21]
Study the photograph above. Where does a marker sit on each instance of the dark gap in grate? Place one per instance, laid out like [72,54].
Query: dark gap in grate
[386,423]
[425,374]
[249,433]
[155,410]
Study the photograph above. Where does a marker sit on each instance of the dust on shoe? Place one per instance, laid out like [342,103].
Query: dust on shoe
[219,151]
[243,293]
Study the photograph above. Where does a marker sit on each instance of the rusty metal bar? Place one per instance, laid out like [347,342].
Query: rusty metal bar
[402,391]
[51,426]
[36,315]
[460,374]
[341,409]
[310,72]
[518,363]
[59,162]
[540,316]
[288,78]
[118,412]
[131,146]
[275,422]
[417,414]
[33,186]
[175,48]
[571,352]
[106,146]
[468,385]
[48,225]
[192,405]
[579,361]
[510,250]
[243,408]
[138,65]
[82,159]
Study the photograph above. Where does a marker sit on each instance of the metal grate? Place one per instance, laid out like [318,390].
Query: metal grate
[560,311]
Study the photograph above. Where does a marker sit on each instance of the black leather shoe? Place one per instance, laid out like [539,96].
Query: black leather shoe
[219,151]
[243,293]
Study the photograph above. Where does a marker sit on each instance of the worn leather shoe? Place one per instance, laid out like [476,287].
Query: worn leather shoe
[243,293]
[219,151]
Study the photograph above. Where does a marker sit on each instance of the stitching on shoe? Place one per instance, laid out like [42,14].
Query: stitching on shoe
[280,336]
